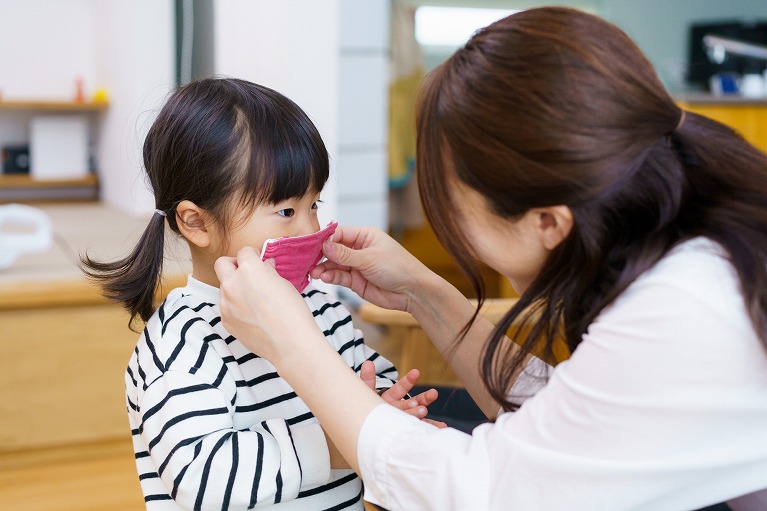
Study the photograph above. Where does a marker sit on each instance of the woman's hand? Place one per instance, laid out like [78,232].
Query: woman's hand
[259,307]
[373,265]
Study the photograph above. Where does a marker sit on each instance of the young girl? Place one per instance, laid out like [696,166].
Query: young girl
[231,164]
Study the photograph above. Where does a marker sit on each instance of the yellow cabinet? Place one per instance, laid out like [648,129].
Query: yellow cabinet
[747,117]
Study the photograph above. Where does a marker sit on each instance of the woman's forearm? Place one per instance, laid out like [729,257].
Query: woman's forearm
[442,311]
[341,417]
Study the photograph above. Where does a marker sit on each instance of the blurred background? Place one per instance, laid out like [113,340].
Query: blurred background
[80,84]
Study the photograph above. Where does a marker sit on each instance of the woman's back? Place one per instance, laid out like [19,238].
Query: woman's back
[661,407]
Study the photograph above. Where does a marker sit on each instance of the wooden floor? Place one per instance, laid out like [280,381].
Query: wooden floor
[86,477]
[93,477]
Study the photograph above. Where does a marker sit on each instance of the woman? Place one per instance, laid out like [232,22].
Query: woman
[549,150]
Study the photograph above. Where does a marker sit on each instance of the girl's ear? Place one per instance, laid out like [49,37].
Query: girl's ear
[554,225]
[193,223]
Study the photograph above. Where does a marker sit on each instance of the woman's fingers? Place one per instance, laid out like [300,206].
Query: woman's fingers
[341,254]
[354,237]
[257,305]
[334,277]
[327,266]
[225,266]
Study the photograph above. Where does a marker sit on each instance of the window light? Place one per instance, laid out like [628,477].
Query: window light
[452,26]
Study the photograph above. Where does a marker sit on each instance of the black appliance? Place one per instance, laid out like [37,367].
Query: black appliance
[701,67]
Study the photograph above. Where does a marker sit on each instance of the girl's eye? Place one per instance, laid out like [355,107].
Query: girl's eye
[316,205]
[287,213]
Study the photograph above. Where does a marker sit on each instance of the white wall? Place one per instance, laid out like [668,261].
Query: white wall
[331,58]
[136,62]
[125,46]
[45,47]
[290,46]
[363,112]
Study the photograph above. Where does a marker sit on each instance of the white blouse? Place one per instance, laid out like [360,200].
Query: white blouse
[663,406]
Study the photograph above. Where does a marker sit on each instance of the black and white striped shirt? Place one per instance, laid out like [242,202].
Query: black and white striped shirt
[215,427]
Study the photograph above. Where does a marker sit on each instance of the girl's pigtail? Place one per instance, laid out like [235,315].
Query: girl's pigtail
[133,280]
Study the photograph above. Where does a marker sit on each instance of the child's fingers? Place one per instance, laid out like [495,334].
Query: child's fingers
[403,386]
[426,398]
[438,424]
[423,399]
[368,374]
[417,411]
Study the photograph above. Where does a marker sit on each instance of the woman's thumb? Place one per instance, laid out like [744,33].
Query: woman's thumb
[340,254]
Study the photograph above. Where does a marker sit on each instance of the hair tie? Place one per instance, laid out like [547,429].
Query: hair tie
[160,212]
[681,121]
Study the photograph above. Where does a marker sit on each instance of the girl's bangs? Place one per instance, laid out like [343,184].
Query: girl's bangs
[286,157]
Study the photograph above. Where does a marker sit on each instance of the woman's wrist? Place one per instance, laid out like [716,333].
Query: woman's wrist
[293,343]
[428,290]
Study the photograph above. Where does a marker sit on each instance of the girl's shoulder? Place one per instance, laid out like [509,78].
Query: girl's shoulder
[185,303]
[317,298]
[188,313]
[185,335]
[327,309]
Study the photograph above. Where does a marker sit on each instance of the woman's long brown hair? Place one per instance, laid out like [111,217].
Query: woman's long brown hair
[553,106]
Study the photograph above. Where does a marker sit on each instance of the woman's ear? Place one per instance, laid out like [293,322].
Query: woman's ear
[193,223]
[554,225]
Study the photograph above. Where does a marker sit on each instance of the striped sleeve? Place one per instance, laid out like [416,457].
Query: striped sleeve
[338,328]
[204,460]
[386,373]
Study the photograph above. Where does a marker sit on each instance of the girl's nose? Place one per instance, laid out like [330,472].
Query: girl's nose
[307,225]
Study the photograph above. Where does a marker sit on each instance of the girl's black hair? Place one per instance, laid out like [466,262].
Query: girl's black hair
[553,106]
[217,143]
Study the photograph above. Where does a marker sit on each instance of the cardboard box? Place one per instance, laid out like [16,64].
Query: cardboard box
[59,147]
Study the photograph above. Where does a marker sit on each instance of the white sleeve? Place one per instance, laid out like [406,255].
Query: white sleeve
[662,406]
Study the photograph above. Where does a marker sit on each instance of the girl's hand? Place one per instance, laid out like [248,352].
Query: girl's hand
[416,406]
[259,307]
[373,265]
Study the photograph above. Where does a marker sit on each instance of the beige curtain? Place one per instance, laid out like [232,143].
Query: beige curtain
[407,71]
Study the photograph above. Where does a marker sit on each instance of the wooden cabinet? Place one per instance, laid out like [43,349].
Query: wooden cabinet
[63,347]
[746,116]
[15,118]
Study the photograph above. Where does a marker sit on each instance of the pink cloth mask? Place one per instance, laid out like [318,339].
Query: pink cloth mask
[295,256]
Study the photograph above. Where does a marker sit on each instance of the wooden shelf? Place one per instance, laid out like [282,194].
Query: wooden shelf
[70,106]
[23,188]
[24,181]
